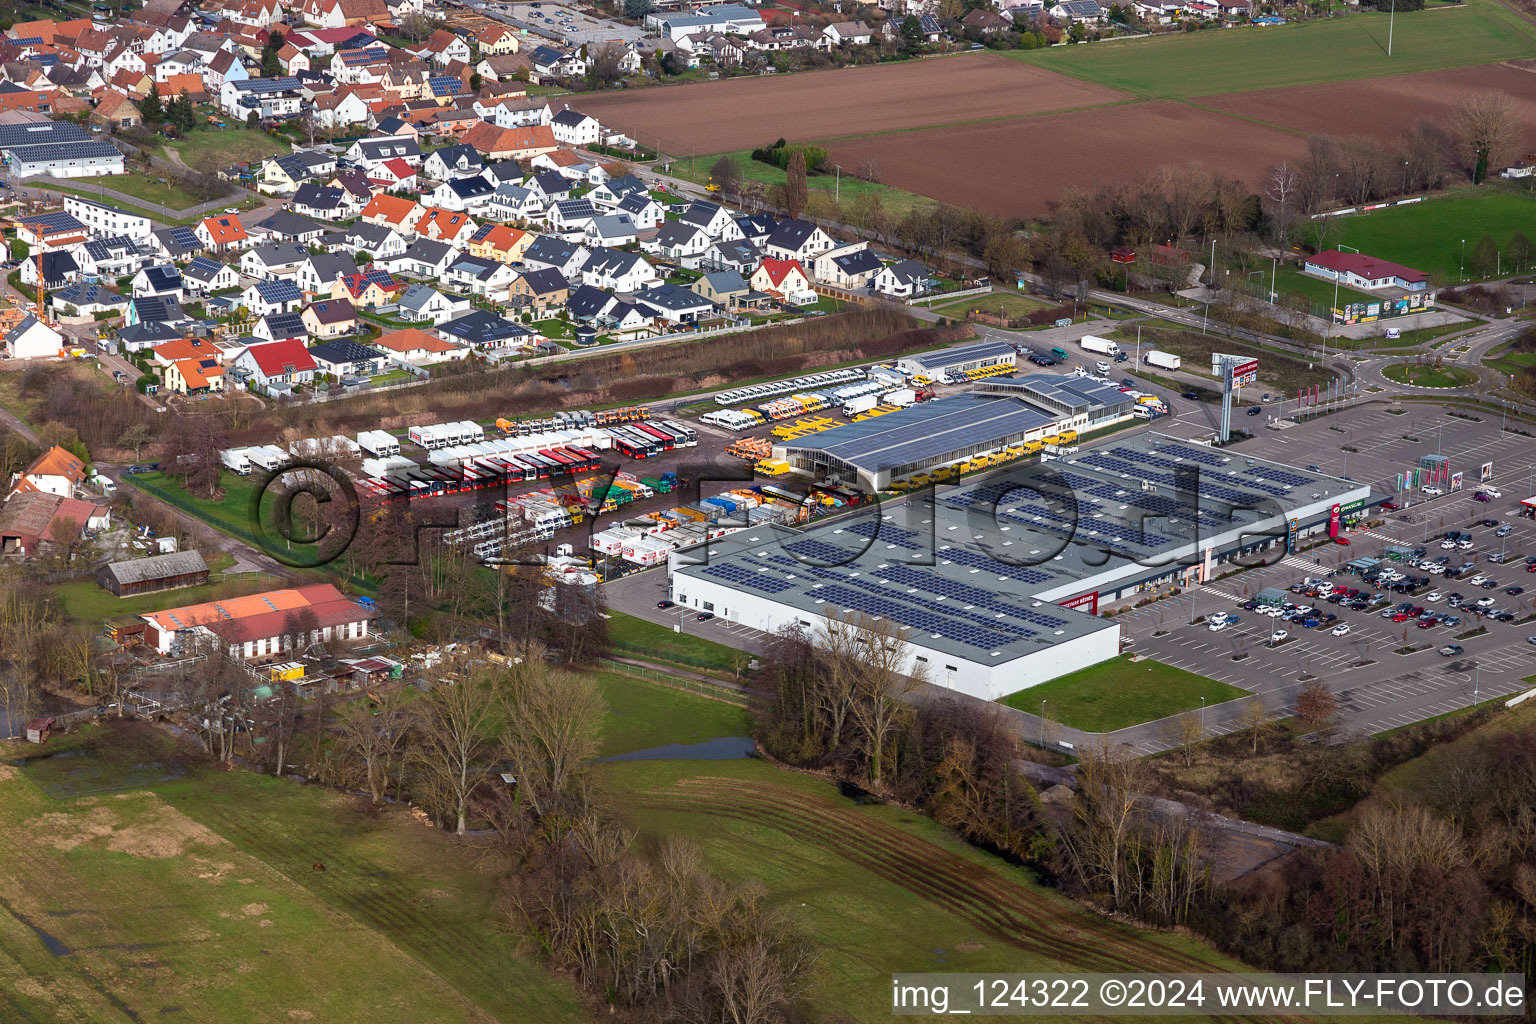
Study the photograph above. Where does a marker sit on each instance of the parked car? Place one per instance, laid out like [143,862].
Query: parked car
[1254,410]
[1341,629]
[666,604]
[1278,635]
[706,616]
[1485,602]
[1190,395]
[1514,591]
[1451,650]
[1432,490]
[1504,531]
[1390,506]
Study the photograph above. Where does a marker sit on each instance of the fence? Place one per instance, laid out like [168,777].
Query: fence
[928,300]
[710,690]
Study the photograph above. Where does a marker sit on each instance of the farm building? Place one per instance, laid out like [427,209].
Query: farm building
[966,357]
[152,574]
[995,585]
[29,518]
[261,625]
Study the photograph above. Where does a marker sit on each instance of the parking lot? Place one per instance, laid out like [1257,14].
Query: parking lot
[1377,687]
[561,22]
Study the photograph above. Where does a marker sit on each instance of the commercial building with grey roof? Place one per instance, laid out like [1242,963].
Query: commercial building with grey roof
[995,585]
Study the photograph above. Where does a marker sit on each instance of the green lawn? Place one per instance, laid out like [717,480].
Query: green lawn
[196,899]
[896,202]
[233,513]
[878,888]
[642,639]
[170,193]
[232,145]
[553,329]
[1119,693]
[1292,281]
[1510,363]
[1277,371]
[1427,236]
[1009,303]
[1428,376]
[642,715]
[1353,46]
[392,377]
[84,600]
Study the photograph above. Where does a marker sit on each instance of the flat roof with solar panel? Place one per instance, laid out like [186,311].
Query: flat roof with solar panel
[1005,573]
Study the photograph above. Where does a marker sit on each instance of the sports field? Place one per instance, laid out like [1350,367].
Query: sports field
[1428,236]
[1121,693]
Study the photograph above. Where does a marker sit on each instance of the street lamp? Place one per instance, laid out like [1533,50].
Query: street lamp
[1042,722]
[1463,259]
[1202,716]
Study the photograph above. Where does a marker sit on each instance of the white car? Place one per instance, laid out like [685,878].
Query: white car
[1434,596]
[1492,492]
[1432,490]
[1273,610]
[1478,580]
[1220,624]
[1485,602]
[1434,569]
[1448,545]
[1340,629]
[231,209]
[1278,635]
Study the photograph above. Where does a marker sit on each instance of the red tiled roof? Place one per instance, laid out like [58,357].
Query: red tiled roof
[287,356]
[1368,267]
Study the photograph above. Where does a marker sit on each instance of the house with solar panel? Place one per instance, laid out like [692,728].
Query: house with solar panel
[276,296]
[370,288]
[160,280]
[203,276]
[60,149]
[259,626]
[112,257]
[286,362]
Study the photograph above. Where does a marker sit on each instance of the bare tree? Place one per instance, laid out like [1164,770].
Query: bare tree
[1110,787]
[868,169]
[1184,733]
[1487,127]
[604,64]
[1316,705]
[1255,719]
[796,190]
[877,684]
[375,736]
[453,738]
[550,732]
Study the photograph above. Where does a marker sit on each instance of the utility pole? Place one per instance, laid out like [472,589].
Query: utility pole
[1391,23]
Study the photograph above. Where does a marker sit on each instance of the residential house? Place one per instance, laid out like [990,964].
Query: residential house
[286,226]
[347,358]
[58,270]
[373,287]
[318,274]
[613,191]
[513,202]
[377,240]
[676,305]
[573,128]
[480,276]
[500,242]
[987,22]
[570,217]
[783,279]
[393,175]
[275,296]
[542,290]
[485,329]
[107,221]
[741,256]
[847,266]
[904,280]
[494,40]
[416,346]
[457,161]
[204,276]
[549,252]
[614,229]
[203,375]
[519,143]
[392,212]
[82,299]
[618,270]
[277,362]
[722,287]
[797,240]
[281,327]
[463,195]
[370,152]
[551,185]
[157,280]
[222,233]
[421,303]
[680,243]
[270,262]
[845,33]
[756,227]
[56,471]
[425,259]
[443,47]
[711,218]
[112,257]
[323,202]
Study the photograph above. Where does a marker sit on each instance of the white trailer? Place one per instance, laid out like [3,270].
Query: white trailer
[901,398]
[236,460]
[863,403]
[1165,360]
[268,456]
[378,442]
[1101,346]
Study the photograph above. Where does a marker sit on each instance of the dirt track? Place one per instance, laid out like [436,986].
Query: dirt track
[1382,108]
[744,113]
[1017,168]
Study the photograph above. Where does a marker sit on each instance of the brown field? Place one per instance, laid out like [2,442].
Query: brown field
[1016,168]
[744,113]
[1381,108]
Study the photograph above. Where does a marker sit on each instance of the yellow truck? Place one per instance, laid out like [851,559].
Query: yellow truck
[1066,437]
[772,467]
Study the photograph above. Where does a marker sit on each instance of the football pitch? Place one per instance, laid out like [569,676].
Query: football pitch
[1429,236]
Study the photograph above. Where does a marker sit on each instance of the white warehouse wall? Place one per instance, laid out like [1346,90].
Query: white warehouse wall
[985,682]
